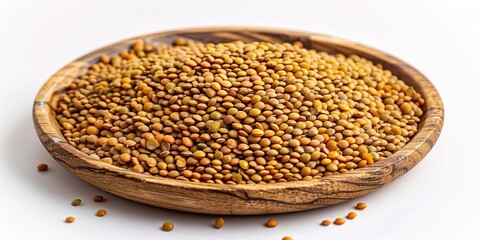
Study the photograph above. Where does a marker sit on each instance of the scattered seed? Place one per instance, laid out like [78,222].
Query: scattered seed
[98,198]
[325,223]
[76,202]
[101,213]
[42,167]
[271,223]
[361,206]
[339,221]
[69,219]
[351,215]
[167,226]
[219,223]
[287,238]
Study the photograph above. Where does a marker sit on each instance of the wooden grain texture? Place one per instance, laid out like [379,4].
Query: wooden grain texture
[239,199]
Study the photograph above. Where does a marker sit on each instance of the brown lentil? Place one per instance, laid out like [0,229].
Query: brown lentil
[287,238]
[167,226]
[98,198]
[76,202]
[219,223]
[221,113]
[42,167]
[101,213]
[361,206]
[271,223]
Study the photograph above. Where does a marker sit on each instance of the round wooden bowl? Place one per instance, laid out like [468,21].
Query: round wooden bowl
[239,199]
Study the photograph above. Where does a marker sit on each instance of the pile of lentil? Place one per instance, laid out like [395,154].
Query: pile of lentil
[237,112]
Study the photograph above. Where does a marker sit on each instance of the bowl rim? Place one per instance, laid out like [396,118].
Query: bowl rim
[427,134]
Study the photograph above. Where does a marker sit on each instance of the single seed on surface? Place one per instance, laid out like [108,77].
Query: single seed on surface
[76,202]
[339,221]
[69,219]
[167,226]
[101,213]
[98,198]
[219,223]
[271,223]
[287,238]
[351,215]
[325,223]
[361,206]
[42,167]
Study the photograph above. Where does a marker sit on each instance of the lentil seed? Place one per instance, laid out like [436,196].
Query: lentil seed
[339,221]
[167,226]
[76,202]
[271,223]
[152,144]
[98,198]
[361,206]
[42,167]
[325,223]
[351,215]
[219,222]
[101,213]
[69,219]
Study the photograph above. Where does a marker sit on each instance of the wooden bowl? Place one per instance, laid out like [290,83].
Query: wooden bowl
[239,199]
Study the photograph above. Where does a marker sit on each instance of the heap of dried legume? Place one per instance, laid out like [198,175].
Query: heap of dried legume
[237,112]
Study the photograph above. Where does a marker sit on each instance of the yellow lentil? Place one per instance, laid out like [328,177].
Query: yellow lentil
[339,221]
[351,215]
[271,223]
[219,222]
[167,226]
[361,206]
[69,219]
[325,223]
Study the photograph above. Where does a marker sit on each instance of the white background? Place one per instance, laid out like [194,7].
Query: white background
[438,199]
